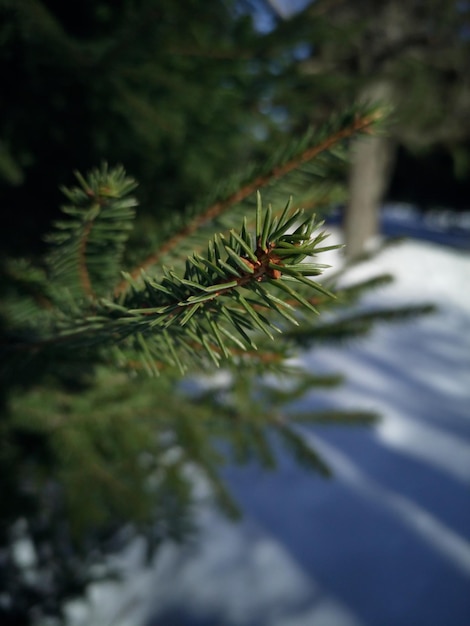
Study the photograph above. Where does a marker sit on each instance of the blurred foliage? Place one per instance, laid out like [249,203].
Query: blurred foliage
[416,54]
[132,82]
[179,100]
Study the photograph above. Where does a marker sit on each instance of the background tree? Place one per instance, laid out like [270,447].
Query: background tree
[411,55]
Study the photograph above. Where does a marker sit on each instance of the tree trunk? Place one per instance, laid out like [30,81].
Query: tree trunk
[369,176]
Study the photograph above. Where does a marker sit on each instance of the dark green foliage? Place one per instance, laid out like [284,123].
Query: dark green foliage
[140,83]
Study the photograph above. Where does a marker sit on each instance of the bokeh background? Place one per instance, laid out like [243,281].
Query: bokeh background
[183,94]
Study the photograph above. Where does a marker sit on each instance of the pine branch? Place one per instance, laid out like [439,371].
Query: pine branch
[302,451]
[87,254]
[335,417]
[211,311]
[338,130]
[346,328]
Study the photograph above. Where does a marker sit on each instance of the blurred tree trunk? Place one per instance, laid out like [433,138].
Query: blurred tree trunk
[372,162]
[369,178]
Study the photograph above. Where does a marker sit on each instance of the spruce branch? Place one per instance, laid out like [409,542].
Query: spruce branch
[339,129]
[88,246]
[347,327]
[212,311]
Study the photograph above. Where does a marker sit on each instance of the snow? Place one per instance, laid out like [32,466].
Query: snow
[386,541]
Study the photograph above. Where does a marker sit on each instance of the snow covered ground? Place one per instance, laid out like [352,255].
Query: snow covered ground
[386,541]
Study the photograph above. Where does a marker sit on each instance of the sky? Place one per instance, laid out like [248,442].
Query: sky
[285,8]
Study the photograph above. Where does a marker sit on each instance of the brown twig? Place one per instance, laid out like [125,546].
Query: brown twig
[83,271]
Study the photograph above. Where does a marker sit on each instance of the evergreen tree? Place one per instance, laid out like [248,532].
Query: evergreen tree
[102,437]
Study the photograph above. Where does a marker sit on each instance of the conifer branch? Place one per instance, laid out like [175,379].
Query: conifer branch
[359,124]
[223,298]
[101,213]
